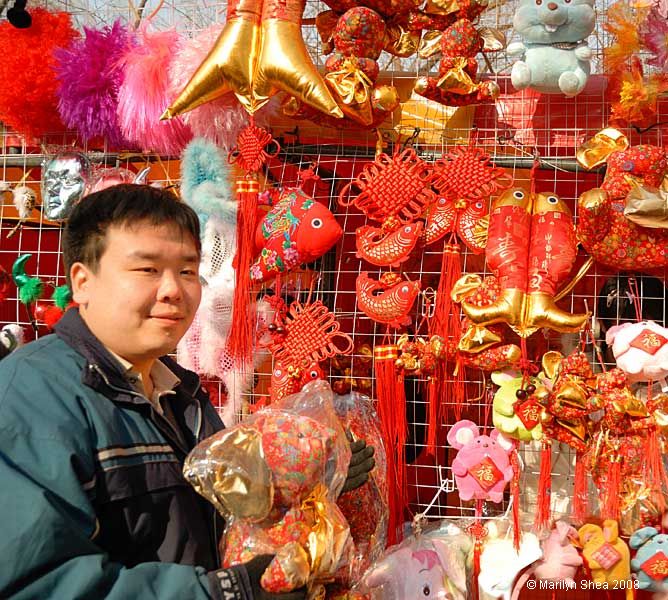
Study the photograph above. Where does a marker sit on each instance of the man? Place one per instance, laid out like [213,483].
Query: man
[95,423]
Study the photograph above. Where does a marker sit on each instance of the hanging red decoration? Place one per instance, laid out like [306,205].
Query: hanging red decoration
[464,179]
[302,336]
[254,147]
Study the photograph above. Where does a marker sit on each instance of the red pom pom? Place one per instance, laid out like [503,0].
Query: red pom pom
[28,102]
[52,315]
[39,311]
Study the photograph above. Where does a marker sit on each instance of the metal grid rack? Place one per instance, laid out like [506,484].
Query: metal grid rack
[515,130]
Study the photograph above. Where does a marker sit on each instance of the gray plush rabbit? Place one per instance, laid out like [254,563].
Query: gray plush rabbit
[555,57]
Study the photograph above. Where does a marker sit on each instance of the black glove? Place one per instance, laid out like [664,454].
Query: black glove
[361,462]
[242,582]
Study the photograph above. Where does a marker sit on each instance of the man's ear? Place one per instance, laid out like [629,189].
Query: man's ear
[80,277]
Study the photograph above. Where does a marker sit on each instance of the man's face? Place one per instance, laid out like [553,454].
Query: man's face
[63,184]
[145,293]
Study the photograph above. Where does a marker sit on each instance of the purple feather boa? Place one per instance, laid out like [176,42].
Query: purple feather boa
[89,75]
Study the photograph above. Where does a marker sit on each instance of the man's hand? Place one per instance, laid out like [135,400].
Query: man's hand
[361,462]
[255,568]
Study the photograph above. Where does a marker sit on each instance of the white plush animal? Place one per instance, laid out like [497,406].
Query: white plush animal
[640,349]
[500,563]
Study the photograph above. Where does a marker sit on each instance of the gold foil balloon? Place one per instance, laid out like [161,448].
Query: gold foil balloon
[284,63]
[230,66]
[259,52]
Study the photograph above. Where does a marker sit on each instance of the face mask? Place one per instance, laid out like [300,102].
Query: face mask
[64,181]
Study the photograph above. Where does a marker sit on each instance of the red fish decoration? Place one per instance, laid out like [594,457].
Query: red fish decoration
[392,305]
[387,249]
[296,230]
[447,215]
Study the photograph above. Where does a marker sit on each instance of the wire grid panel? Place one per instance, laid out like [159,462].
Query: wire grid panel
[514,130]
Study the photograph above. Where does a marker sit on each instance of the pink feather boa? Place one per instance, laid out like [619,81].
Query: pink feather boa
[89,78]
[145,94]
[219,121]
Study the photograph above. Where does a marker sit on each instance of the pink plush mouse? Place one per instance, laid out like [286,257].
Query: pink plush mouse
[640,349]
[560,558]
[482,466]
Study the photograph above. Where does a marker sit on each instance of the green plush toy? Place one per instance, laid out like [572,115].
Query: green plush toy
[516,415]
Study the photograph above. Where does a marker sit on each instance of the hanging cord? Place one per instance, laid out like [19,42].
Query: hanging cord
[635,297]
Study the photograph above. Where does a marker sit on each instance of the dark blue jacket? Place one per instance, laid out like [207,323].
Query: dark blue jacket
[93,503]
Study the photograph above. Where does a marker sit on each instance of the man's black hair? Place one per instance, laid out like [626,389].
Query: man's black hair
[84,239]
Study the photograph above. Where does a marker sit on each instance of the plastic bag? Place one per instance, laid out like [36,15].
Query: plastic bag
[435,564]
[365,508]
[275,477]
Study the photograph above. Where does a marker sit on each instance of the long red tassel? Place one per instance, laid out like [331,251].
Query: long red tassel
[543,508]
[445,323]
[656,474]
[478,532]
[240,340]
[515,495]
[394,429]
[580,488]
[611,506]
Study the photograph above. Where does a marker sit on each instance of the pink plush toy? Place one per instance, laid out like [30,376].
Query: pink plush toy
[435,564]
[482,466]
[560,558]
[640,349]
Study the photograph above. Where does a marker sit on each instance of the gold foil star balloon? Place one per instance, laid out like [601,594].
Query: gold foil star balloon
[259,52]
[230,65]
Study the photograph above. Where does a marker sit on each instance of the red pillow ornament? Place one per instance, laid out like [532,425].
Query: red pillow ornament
[604,230]
[387,8]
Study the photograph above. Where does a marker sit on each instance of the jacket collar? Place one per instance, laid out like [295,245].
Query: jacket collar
[102,369]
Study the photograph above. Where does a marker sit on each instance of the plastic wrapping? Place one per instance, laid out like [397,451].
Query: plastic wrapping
[275,477]
[366,507]
[434,564]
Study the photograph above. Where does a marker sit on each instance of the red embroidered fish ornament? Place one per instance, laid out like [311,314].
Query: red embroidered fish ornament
[296,230]
[383,249]
[392,305]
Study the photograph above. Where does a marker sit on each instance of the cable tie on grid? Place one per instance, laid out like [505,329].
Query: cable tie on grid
[410,141]
[428,305]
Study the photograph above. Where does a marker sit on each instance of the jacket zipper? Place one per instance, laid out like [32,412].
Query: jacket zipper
[198,430]
[198,422]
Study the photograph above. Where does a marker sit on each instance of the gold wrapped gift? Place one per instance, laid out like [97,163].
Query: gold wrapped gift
[648,206]
[457,80]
